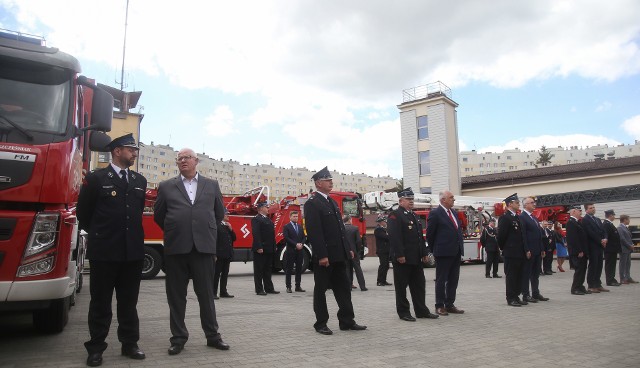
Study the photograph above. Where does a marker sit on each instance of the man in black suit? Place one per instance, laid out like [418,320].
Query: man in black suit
[612,249]
[224,255]
[110,209]
[596,240]
[548,239]
[409,253]
[188,209]
[511,244]
[578,251]
[352,236]
[264,247]
[532,237]
[382,250]
[444,236]
[490,243]
[325,231]
[294,255]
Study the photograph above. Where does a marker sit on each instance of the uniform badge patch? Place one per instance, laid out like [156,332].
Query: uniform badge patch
[113,194]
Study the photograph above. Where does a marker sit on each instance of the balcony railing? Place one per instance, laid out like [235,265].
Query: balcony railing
[430,90]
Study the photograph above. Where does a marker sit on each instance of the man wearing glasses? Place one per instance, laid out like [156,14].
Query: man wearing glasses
[189,208]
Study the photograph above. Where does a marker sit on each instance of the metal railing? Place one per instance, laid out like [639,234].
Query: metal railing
[435,89]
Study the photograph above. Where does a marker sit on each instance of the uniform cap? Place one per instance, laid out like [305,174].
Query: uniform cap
[511,198]
[575,208]
[262,204]
[126,140]
[492,220]
[405,193]
[381,218]
[609,213]
[323,174]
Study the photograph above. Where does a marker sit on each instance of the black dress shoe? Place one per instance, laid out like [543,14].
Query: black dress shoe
[577,292]
[487,276]
[261,293]
[94,360]
[324,330]
[387,283]
[300,290]
[218,344]
[133,352]
[514,303]
[289,290]
[548,272]
[541,298]
[497,276]
[408,318]
[364,289]
[428,315]
[354,327]
[226,295]
[175,349]
[215,297]
[522,302]
[273,292]
[613,283]
[529,299]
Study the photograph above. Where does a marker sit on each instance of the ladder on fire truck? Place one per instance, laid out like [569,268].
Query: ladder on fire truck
[615,194]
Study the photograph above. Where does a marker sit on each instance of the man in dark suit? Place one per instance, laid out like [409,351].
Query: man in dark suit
[188,209]
[532,237]
[548,240]
[409,253]
[612,249]
[596,240]
[382,250]
[444,236]
[294,255]
[352,236]
[264,247]
[490,243]
[325,231]
[110,209]
[578,251]
[224,255]
[511,244]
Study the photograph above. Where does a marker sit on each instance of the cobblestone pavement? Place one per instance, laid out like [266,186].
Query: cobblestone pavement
[600,330]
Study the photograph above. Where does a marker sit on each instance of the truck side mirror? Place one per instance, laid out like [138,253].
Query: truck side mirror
[98,141]
[101,110]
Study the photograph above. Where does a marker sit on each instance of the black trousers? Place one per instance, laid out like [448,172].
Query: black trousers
[221,275]
[447,276]
[594,269]
[610,260]
[262,267]
[547,261]
[531,275]
[580,267]
[124,278]
[179,268]
[412,276]
[493,258]
[354,265]
[513,280]
[383,269]
[336,276]
[293,257]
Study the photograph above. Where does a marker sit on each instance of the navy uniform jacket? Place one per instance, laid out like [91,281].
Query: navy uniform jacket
[405,237]
[613,244]
[110,211]
[325,229]
[548,240]
[510,238]
[264,234]
[531,234]
[489,240]
[382,240]
[442,236]
[576,238]
[594,230]
[224,242]
[292,237]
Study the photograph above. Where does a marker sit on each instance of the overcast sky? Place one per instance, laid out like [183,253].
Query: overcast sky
[315,83]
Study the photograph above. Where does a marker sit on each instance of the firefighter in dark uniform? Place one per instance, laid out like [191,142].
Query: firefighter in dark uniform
[408,253]
[490,244]
[331,252]
[110,209]
[382,250]
[511,243]
[264,247]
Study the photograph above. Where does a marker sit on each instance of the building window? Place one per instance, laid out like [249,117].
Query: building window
[161,153]
[465,159]
[425,190]
[423,130]
[481,165]
[508,157]
[495,164]
[424,162]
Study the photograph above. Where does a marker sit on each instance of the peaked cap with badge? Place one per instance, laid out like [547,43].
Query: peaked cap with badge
[126,140]
[323,174]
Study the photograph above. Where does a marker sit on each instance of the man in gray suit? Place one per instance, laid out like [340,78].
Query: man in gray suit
[625,253]
[188,209]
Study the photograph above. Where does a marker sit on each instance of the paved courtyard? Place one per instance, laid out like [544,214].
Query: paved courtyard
[600,330]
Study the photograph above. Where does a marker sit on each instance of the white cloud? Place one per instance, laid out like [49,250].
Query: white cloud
[534,143]
[221,122]
[605,106]
[632,126]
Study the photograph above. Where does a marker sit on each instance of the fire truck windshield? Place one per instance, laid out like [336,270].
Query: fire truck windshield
[350,207]
[34,98]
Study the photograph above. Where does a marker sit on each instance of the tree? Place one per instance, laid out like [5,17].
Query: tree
[545,157]
[399,186]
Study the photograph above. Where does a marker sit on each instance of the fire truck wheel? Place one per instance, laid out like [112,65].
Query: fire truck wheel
[54,318]
[152,263]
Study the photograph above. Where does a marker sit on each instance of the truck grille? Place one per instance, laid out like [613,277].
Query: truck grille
[6,228]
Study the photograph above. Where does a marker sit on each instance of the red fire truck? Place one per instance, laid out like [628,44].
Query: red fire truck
[46,113]
[241,210]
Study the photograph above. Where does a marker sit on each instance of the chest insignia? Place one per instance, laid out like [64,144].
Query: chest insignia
[410,227]
[113,193]
[110,174]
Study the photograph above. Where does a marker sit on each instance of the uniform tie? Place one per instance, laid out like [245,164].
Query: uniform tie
[123,176]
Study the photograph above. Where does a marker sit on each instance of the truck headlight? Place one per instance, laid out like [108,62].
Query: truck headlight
[36,268]
[43,235]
